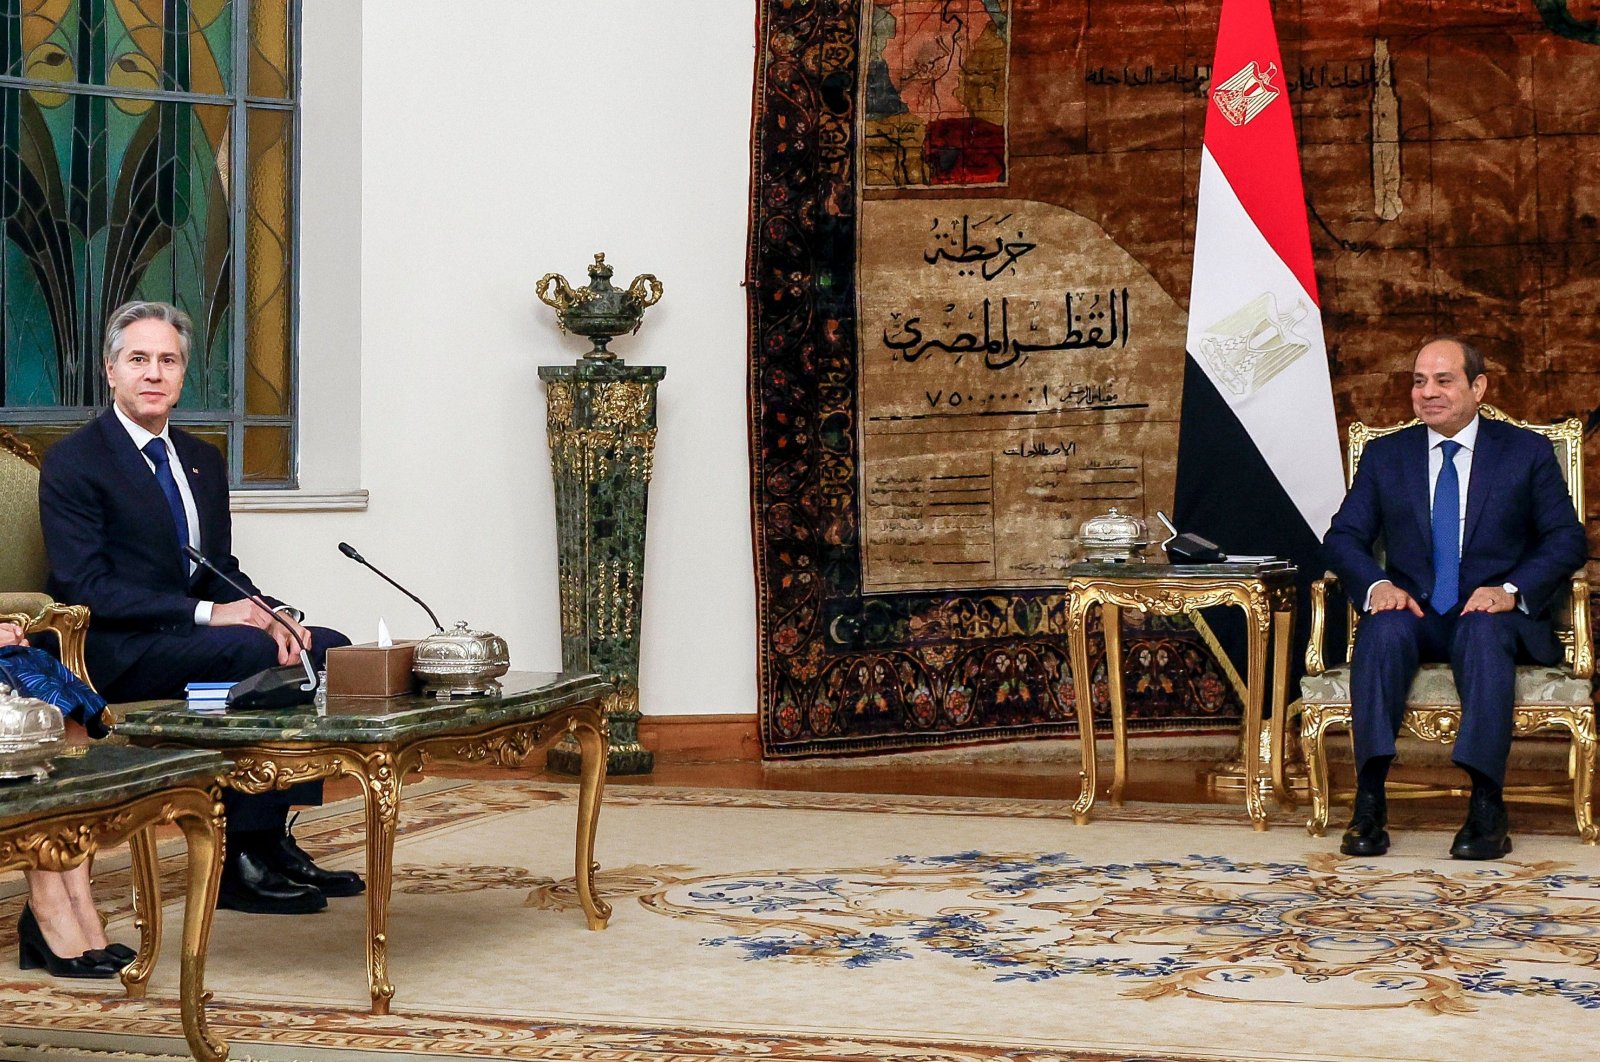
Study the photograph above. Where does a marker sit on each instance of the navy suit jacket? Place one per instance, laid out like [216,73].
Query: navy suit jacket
[1521,527]
[113,546]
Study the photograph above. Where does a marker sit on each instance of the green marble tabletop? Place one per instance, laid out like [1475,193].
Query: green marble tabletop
[523,696]
[1138,570]
[106,774]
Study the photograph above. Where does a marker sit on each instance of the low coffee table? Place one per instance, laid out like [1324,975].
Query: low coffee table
[110,794]
[380,741]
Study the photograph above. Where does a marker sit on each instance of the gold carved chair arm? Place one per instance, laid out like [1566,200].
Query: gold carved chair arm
[1316,659]
[1582,629]
[71,624]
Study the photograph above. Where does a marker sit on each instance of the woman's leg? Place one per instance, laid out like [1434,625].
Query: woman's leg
[83,908]
[50,897]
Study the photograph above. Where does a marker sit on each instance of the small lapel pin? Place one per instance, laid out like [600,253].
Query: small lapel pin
[196,471]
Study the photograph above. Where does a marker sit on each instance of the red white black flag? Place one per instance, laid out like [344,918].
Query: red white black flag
[1258,449]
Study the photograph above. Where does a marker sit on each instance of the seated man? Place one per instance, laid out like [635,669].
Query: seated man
[119,500]
[1480,536]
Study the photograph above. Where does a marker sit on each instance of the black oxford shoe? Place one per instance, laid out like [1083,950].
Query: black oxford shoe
[289,860]
[249,885]
[1487,832]
[1366,835]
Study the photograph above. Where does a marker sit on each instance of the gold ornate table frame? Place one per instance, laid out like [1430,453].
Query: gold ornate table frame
[62,840]
[1267,597]
[381,768]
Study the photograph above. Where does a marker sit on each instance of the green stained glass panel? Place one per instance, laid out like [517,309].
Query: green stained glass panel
[124,44]
[108,199]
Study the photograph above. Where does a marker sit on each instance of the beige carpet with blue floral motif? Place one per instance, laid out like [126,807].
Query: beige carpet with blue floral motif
[787,926]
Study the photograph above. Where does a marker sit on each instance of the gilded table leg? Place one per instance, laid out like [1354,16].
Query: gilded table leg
[1313,731]
[1111,624]
[1078,651]
[201,822]
[1282,634]
[592,746]
[1255,688]
[381,787]
[146,911]
[1583,767]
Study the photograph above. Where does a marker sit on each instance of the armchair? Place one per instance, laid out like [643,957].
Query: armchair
[1547,698]
[23,566]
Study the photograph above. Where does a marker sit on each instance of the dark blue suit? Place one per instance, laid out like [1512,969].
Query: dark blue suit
[1520,528]
[113,546]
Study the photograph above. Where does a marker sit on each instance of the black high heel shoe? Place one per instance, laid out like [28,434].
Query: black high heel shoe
[113,955]
[33,952]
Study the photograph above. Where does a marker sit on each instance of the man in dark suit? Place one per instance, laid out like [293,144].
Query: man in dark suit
[119,500]
[1480,535]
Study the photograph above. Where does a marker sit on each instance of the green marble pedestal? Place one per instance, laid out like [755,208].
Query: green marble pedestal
[602,428]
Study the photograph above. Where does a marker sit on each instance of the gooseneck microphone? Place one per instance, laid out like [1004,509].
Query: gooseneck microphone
[350,551]
[276,687]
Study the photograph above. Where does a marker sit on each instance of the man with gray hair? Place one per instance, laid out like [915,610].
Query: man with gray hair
[120,499]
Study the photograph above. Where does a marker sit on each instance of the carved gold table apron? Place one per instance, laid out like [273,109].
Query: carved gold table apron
[1266,593]
[380,741]
[110,794]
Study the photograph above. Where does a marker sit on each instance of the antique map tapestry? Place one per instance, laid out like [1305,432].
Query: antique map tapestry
[970,257]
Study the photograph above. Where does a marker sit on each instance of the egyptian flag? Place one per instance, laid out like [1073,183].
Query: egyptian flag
[1258,449]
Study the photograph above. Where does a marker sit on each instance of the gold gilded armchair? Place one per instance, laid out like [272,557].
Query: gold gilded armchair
[1547,698]
[23,566]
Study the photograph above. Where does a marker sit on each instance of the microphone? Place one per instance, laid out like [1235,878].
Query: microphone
[350,551]
[276,687]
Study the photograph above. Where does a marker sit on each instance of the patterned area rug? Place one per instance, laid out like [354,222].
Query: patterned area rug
[810,926]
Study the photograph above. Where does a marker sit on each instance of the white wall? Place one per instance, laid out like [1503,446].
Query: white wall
[454,151]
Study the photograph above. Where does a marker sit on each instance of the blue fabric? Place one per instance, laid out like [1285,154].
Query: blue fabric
[156,450]
[1447,531]
[35,673]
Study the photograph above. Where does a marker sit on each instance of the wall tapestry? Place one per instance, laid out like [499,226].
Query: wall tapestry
[968,274]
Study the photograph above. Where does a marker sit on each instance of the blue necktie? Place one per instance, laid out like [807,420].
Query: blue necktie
[1447,531]
[156,451]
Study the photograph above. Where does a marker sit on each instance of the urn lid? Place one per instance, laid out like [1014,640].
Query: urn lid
[27,723]
[1113,528]
[460,651]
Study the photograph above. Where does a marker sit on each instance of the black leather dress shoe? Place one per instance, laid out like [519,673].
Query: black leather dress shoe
[288,859]
[1366,835]
[249,885]
[1487,831]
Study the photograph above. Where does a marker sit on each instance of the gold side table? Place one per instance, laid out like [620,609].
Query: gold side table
[1265,592]
[110,794]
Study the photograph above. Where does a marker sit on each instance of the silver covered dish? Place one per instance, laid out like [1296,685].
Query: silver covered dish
[32,733]
[460,661]
[1113,536]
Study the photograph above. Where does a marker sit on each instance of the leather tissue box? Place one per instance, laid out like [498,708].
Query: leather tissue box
[371,670]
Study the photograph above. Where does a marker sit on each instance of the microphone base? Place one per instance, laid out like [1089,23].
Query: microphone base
[276,687]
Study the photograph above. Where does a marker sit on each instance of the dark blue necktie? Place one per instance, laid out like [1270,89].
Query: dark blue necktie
[1447,531]
[156,451]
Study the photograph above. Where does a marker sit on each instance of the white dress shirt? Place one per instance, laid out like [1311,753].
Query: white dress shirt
[141,438]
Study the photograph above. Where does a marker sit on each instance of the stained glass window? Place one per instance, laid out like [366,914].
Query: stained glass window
[126,125]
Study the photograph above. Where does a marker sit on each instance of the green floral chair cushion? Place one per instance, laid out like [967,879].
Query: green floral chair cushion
[1434,686]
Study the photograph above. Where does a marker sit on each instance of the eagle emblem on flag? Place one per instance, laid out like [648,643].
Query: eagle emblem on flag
[1253,344]
[1242,96]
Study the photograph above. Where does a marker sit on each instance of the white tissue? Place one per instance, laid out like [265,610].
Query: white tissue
[384,641]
